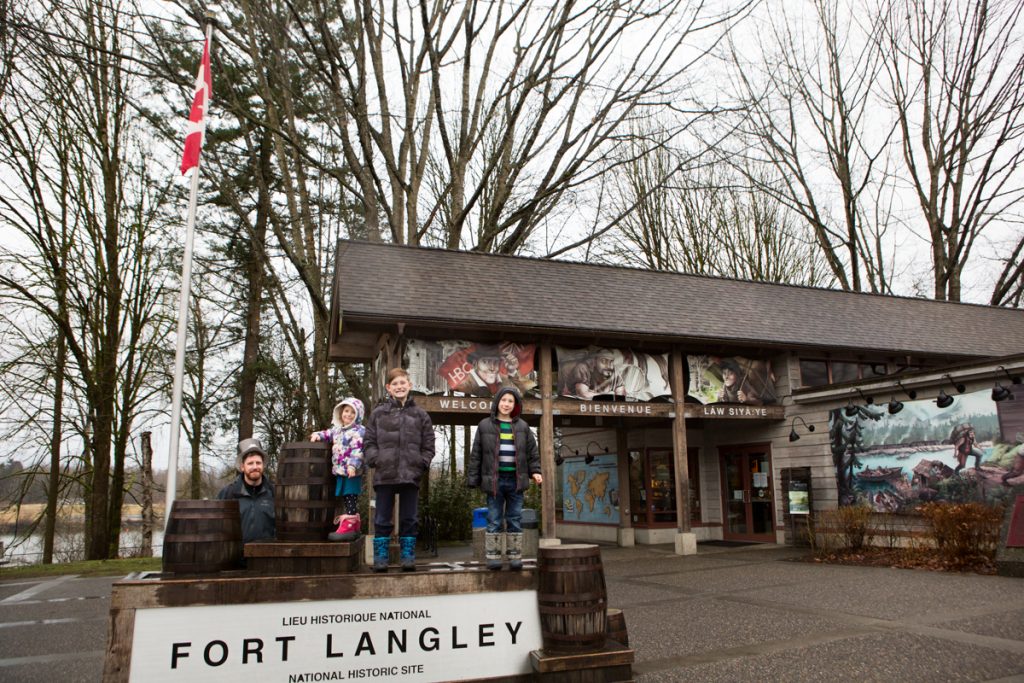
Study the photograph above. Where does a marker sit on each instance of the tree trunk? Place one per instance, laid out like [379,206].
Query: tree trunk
[117,491]
[54,480]
[147,495]
[254,296]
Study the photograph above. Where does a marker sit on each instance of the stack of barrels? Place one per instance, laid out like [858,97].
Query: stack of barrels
[304,500]
[205,536]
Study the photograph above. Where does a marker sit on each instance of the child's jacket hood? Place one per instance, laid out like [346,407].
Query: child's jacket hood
[355,404]
[497,397]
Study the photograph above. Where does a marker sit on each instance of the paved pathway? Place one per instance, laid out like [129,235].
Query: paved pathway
[752,614]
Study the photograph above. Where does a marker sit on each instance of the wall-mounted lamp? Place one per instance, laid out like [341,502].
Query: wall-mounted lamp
[793,436]
[867,399]
[850,409]
[944,400]
[1013,378]
[894,405]
[590,456]
[911,393]
[558,454]
[1001,393]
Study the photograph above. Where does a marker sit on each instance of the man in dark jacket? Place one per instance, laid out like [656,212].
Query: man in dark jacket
[398,445]
[254,492]
[503,460]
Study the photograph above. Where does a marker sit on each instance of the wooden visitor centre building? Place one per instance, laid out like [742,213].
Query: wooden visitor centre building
[674,408]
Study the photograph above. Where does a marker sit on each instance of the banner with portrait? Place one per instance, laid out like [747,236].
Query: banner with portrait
[599,373]
[731,379]
[468,368]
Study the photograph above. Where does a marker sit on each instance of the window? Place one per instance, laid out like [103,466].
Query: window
[813,373]
[844,371]
[819,373]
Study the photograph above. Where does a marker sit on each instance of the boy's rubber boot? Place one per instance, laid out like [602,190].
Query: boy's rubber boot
[380,553]
[408,547]
[515,550]
[492,551]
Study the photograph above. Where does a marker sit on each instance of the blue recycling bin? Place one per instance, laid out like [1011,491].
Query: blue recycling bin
[479,518]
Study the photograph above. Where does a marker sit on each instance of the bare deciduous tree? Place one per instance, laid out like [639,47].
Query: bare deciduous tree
[471,121]
[956,83]
[706,221]
[811,116]
[76,195]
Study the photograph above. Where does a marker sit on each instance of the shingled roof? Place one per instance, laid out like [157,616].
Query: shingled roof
[378,285]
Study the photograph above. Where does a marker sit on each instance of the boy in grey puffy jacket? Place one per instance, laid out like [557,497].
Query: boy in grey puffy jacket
[503,460]
[399,445]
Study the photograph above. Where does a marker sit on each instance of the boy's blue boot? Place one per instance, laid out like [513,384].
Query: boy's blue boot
[380,553]
[408,544]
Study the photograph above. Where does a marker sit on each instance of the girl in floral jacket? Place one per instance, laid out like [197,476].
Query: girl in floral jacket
[346,438]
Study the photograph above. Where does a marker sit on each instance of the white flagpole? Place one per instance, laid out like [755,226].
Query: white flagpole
[179,354]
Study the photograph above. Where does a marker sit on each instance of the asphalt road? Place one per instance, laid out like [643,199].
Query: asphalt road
[53,629]
[743,614]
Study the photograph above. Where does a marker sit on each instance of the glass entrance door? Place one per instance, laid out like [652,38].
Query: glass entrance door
[652,485]
[747,490]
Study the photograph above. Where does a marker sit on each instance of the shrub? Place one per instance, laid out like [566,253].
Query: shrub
[964,532]
[450,506]
[822,542]
[853,524]
[846,528]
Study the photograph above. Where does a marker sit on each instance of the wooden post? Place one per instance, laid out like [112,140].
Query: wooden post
[547,443]
[679,444]
[626,533]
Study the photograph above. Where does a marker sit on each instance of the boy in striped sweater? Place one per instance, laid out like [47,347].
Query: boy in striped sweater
[503,461]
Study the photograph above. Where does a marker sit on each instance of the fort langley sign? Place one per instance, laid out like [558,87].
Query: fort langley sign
[409,639]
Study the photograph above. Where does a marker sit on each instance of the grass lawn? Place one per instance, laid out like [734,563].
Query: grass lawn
[84,568]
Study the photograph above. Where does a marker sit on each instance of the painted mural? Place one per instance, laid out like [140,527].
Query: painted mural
[470,369]
[731,379]
[590,492]
[960,453]
[597,373]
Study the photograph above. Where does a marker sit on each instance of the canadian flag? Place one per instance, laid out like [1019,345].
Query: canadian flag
[197,116]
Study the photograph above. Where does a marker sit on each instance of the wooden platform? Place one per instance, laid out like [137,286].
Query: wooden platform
[613,664]
[283,558]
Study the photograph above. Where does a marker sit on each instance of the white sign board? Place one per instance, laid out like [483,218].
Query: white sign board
[410,639]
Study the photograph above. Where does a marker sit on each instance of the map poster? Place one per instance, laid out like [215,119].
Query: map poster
[590,493]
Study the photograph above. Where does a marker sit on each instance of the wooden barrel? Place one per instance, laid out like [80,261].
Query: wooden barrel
[203,537]
[304,499]
[571,598]
[617,626]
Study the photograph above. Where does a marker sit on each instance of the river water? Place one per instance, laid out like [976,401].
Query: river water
[67,547]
